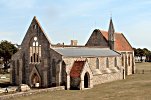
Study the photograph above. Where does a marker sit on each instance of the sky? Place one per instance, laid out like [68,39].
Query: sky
[63,20]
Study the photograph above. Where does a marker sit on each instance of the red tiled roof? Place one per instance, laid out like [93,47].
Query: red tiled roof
[121,43]
[76,69]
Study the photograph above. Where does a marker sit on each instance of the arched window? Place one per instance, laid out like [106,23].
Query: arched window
[107,62]
[35,50]
[115,62]
[97,63]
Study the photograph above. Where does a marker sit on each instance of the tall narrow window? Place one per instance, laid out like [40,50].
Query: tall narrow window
[122,59]
[34,26]
[34,57]
[97,63]
[107,62]
[31,59]
[129,59]
[53,68]
[115,62]
[37,58]
[18,67]
[35,50]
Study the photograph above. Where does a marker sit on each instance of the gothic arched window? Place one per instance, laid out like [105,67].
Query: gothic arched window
[35,50]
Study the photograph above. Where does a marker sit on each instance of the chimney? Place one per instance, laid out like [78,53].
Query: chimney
[74,42]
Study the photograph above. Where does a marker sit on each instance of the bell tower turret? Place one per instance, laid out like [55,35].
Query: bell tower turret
[111,35]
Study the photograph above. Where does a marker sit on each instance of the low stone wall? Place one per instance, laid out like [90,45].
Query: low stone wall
[31,92]
[103,78]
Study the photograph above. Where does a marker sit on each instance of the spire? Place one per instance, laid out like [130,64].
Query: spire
[111,26]
[111,36]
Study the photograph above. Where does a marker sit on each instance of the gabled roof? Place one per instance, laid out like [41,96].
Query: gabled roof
[97,40]
[121,43]
[77,69]
[86,52]
[29,32]
[41,28]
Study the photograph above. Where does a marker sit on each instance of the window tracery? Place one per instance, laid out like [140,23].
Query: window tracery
[35,50]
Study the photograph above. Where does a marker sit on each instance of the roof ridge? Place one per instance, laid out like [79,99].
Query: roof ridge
[41,28]
[107,31]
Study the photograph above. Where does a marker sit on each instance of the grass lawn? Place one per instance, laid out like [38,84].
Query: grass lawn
[144,65]
[134,87]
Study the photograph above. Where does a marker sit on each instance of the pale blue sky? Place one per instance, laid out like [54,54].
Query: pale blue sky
[63,20]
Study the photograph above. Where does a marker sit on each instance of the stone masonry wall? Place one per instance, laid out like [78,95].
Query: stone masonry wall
[57,58]
[97,39]
[103,78]
[24,54]
[128,62]
[92,62]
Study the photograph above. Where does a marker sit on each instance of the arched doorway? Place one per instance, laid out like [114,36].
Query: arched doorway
[86,80]
[35,80]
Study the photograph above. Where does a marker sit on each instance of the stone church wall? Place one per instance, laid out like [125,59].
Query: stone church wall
[103,78]
[128,62]
[14,79]
[92,62]
[56,64]
[103,74]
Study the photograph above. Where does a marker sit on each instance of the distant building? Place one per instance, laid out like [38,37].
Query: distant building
[39,63]
[140,59]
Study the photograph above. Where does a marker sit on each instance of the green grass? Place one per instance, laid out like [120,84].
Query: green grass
[134,87]
[143,66]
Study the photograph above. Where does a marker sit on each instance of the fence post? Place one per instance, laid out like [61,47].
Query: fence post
[142,71]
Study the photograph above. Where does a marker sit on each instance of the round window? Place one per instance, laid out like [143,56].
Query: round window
[35,38]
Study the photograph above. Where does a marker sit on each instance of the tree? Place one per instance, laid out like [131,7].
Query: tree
[136,52]
[142,52]
[147,54]
[7,49]
[146,51]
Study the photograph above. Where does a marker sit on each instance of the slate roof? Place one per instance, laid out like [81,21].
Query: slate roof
[77,69]
[86,52]
[121,43]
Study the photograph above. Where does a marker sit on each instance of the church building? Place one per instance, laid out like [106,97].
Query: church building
[117,42]
[39,63]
